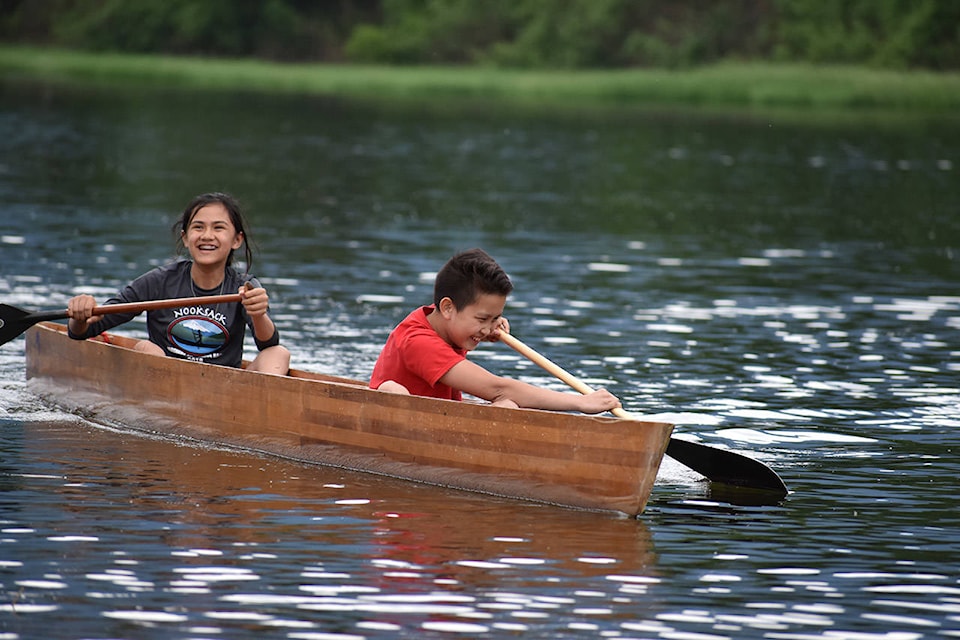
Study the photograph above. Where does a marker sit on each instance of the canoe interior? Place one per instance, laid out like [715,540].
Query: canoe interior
[588,462]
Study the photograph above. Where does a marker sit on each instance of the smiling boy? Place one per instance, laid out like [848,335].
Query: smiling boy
[426,354]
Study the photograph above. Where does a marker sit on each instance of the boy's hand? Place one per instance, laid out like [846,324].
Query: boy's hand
[599,401]
[495,334]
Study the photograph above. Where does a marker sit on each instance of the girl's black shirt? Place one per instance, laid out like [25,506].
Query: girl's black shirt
[206,333]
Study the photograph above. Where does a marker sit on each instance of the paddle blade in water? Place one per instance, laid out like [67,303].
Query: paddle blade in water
[717,465]
[726,467]
[14,321]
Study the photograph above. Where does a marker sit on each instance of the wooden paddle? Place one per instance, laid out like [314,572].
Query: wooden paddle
[14,321]
[717,465]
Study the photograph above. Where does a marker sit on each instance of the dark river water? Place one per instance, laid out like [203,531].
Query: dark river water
[781,286]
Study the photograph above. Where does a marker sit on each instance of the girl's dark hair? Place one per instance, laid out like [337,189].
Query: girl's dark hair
[236,217]
[467,275]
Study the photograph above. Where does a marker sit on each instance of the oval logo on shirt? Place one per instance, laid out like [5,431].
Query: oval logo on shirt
[197,336]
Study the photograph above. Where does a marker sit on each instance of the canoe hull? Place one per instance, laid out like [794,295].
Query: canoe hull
[572,460]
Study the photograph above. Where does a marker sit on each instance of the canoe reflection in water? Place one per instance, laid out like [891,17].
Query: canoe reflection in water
[346,536]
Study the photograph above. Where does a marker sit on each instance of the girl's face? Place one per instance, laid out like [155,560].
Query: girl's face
[211,236]
[467,328]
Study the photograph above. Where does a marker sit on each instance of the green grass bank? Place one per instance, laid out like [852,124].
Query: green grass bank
[723,86]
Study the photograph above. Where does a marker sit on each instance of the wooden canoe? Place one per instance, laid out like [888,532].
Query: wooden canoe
[589,462]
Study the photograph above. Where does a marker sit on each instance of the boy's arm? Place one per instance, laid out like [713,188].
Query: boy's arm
[471,378]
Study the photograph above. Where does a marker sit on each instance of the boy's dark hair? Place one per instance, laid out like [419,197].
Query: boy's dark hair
[233,209]
[467,275]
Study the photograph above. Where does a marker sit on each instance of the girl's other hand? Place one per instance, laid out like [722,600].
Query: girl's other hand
[255,301]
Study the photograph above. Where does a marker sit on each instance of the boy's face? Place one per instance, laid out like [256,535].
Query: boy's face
[465,329]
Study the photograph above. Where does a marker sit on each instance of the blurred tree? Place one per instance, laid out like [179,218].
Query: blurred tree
[438,31]
[615,33]
[564,33]
[516,33]
[887,33]
[280,29]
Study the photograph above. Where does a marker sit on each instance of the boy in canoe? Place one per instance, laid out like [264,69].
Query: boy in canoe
[426,354]
[211,229]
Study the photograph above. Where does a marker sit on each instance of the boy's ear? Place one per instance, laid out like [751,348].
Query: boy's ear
[446,307]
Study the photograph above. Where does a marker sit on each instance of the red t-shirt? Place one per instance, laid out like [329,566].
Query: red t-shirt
[417,357]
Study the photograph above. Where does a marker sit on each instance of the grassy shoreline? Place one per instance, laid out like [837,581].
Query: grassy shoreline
[729,85]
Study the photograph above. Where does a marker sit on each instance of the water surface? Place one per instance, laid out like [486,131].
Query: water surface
[783,288]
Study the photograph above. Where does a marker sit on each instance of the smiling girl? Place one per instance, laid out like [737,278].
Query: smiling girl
[211,228]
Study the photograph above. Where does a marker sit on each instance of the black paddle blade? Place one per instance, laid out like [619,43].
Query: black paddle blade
[726,467]
[14,321]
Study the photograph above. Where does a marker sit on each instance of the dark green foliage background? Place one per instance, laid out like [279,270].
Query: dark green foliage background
[565,34]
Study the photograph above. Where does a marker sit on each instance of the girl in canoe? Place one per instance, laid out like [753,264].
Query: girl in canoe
[211,228]
[426,354]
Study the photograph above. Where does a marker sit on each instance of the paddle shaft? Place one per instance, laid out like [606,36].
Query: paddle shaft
[554,369]
[151,305]
[14,321]
[717,465]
